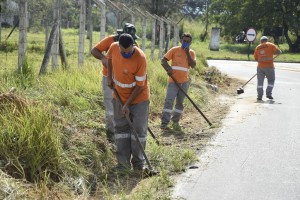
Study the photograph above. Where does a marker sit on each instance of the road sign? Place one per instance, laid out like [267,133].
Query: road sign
[251,34]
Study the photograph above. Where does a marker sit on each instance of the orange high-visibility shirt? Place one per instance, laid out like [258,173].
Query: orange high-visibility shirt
[103,46]
[128,73]
[179,63]
[264,54]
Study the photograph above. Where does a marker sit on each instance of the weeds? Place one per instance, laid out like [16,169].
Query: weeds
[59,145]
[30,144]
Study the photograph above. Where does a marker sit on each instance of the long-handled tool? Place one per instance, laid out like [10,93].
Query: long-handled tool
[135,134]
[152,134]
[182,90]
[241,89]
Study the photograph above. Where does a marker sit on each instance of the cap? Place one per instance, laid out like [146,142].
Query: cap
[130,29]
[263,38]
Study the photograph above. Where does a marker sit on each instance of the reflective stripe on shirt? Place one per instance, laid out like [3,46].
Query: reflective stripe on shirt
[264,59]
[141,78]
[180,68]
[123,85]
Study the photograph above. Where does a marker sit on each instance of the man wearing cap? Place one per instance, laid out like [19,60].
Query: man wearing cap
[263,54]
[98,52]
[183,58]
[127,74]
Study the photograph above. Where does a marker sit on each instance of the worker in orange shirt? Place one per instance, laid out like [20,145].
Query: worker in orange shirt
[127,73]
[98,52]
[263,54]
[182,59]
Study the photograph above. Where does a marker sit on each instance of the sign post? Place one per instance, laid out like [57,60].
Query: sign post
[250,36]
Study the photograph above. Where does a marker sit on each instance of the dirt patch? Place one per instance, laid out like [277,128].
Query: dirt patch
[194,131]
[12,102]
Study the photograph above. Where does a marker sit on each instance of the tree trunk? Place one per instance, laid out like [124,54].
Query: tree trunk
[22,33]
[203,36]
[293,47]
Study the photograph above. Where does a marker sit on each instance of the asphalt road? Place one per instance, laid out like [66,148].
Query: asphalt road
[256,154]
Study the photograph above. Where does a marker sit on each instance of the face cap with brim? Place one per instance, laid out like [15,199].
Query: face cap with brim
[264,38]
[130,29]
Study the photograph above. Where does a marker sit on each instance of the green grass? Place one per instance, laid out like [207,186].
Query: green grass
[58,143]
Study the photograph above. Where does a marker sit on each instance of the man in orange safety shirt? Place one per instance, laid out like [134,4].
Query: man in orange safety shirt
[182,59]
[263,54]
[98,52]
[127,74]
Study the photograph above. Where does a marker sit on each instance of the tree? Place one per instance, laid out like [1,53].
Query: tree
[195,8]
[236,15]
[291,17]
[40,11]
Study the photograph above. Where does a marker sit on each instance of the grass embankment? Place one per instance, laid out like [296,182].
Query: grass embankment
[52,136]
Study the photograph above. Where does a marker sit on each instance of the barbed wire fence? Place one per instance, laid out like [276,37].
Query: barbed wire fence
[56,46]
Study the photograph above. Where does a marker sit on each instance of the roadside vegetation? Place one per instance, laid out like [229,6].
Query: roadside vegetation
[52,135]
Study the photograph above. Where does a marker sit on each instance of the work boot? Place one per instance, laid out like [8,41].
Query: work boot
[120,170]
[176,126]
[110,136]
[270,97]
[145,172]
[164,126]
[259,98]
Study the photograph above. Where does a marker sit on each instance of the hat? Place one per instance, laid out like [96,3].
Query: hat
[130,29]
[263,38]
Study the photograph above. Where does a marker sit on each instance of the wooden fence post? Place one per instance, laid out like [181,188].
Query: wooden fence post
[62,51]
[53,33]
[161,38]
[90,24]
[22,33]
[55,46]
[81,33]
[153,35]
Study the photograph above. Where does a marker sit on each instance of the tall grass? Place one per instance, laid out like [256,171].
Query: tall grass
[30,144]
[59,141]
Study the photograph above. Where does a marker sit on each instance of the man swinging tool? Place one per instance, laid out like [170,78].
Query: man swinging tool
[241,89]
[98,52]
[265,68]
[128,77]
[183,58]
